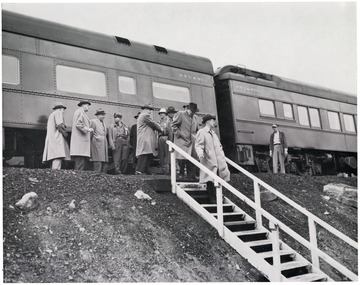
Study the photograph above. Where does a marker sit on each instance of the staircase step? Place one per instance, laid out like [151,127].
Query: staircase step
[294,264]
[232,216]
[259,242]
[310,277]
[201,199]
[252,235]
[240,225]
[270,254]
[212,208]
[192,191]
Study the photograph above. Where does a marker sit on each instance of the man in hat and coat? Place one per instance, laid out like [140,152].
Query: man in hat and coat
[164,154]
[185,125]
[119,143]
[99,144]
[211,155]
[278,149]
[56,147]
[80,135]
[133,140]
[146,140]
[170,116]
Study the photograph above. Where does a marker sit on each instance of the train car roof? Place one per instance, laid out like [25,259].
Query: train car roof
[46,30]
[259,78]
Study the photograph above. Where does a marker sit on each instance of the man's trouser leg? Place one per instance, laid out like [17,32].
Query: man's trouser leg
[282,160]
[117,155]
[182,166]
[190,171]
[79,162]
[56,163]
[276,158]
[141,164]
[125,151]
[97,166]
[164,153]
[211,192]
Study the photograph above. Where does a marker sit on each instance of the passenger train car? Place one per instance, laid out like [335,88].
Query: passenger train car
[45,62]
[320,124]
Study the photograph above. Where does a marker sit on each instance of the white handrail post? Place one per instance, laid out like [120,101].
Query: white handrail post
[219,205]
[274,228]
[258,203]
[172,169]
[313,240]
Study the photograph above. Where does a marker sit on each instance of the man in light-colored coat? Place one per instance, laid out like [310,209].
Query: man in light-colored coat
[99,143]
[80,135]
[164,154]
[146,140]
[185,125]
[211,155]
[56,147]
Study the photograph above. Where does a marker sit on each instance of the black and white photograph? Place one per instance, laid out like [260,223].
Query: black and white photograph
[179,142]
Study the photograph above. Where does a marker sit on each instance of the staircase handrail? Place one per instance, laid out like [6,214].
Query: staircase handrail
[270,217]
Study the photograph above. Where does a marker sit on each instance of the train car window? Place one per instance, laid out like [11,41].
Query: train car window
[10,70]
[349,123]
[314,117]
[288,111]
[83,81]
[171,92]
[334,121]
[267,108]
[127,85]
[303,116]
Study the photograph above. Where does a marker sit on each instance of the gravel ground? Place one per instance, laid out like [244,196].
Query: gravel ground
[111,236]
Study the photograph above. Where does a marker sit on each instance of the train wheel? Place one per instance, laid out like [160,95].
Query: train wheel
[305,170]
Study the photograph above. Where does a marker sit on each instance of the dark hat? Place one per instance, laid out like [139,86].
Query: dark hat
[208,117]
[275,125]
[117,115]
[83,102]
[58,105]
[193,107]
[100,112]
[185,106]
[147,106]
[171,110]
[162,111]
[137,115]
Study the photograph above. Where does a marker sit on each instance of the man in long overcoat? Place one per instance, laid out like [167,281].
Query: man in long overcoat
[278,149]
[211,155]
[164,154]
[99,143]
[80,135]
[146,140]
[119,143]
[133,140]
[56,147]
[185,125]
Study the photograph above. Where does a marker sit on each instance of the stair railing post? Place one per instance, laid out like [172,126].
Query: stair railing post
[172,169]
[274,228]
[219,205]
[313,241]
[258,203]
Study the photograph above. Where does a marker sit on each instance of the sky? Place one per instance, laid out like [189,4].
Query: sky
[310,42]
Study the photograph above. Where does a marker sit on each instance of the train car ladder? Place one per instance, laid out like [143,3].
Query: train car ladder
[259,245]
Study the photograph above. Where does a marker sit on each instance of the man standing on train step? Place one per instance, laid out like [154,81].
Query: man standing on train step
[56,147]
[185,125]
[146,140]
[133,140]
[99,144]
[278,149]
[119,143]
[80,135]
[211,155]
[164,154]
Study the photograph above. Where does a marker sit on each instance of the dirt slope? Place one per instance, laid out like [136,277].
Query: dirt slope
[111,236]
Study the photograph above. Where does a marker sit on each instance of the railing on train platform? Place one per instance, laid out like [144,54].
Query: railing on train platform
[274,224]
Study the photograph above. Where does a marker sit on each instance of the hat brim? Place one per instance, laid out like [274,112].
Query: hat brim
[83,103]
[193,109]
[59,107]
[101,113]
[208,118]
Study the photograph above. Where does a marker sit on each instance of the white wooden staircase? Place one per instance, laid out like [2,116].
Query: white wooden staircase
[260,246]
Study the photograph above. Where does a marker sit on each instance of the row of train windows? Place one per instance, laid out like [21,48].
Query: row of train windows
[89,82]
[308,116]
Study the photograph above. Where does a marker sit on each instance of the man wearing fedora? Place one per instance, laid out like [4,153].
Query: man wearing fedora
[164,154]
[185,125]
[278,148]
[211,155]
[99,144]
[146,140]
[133,141]
[170,116]
[80,136]
[119,143]
[56,147]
